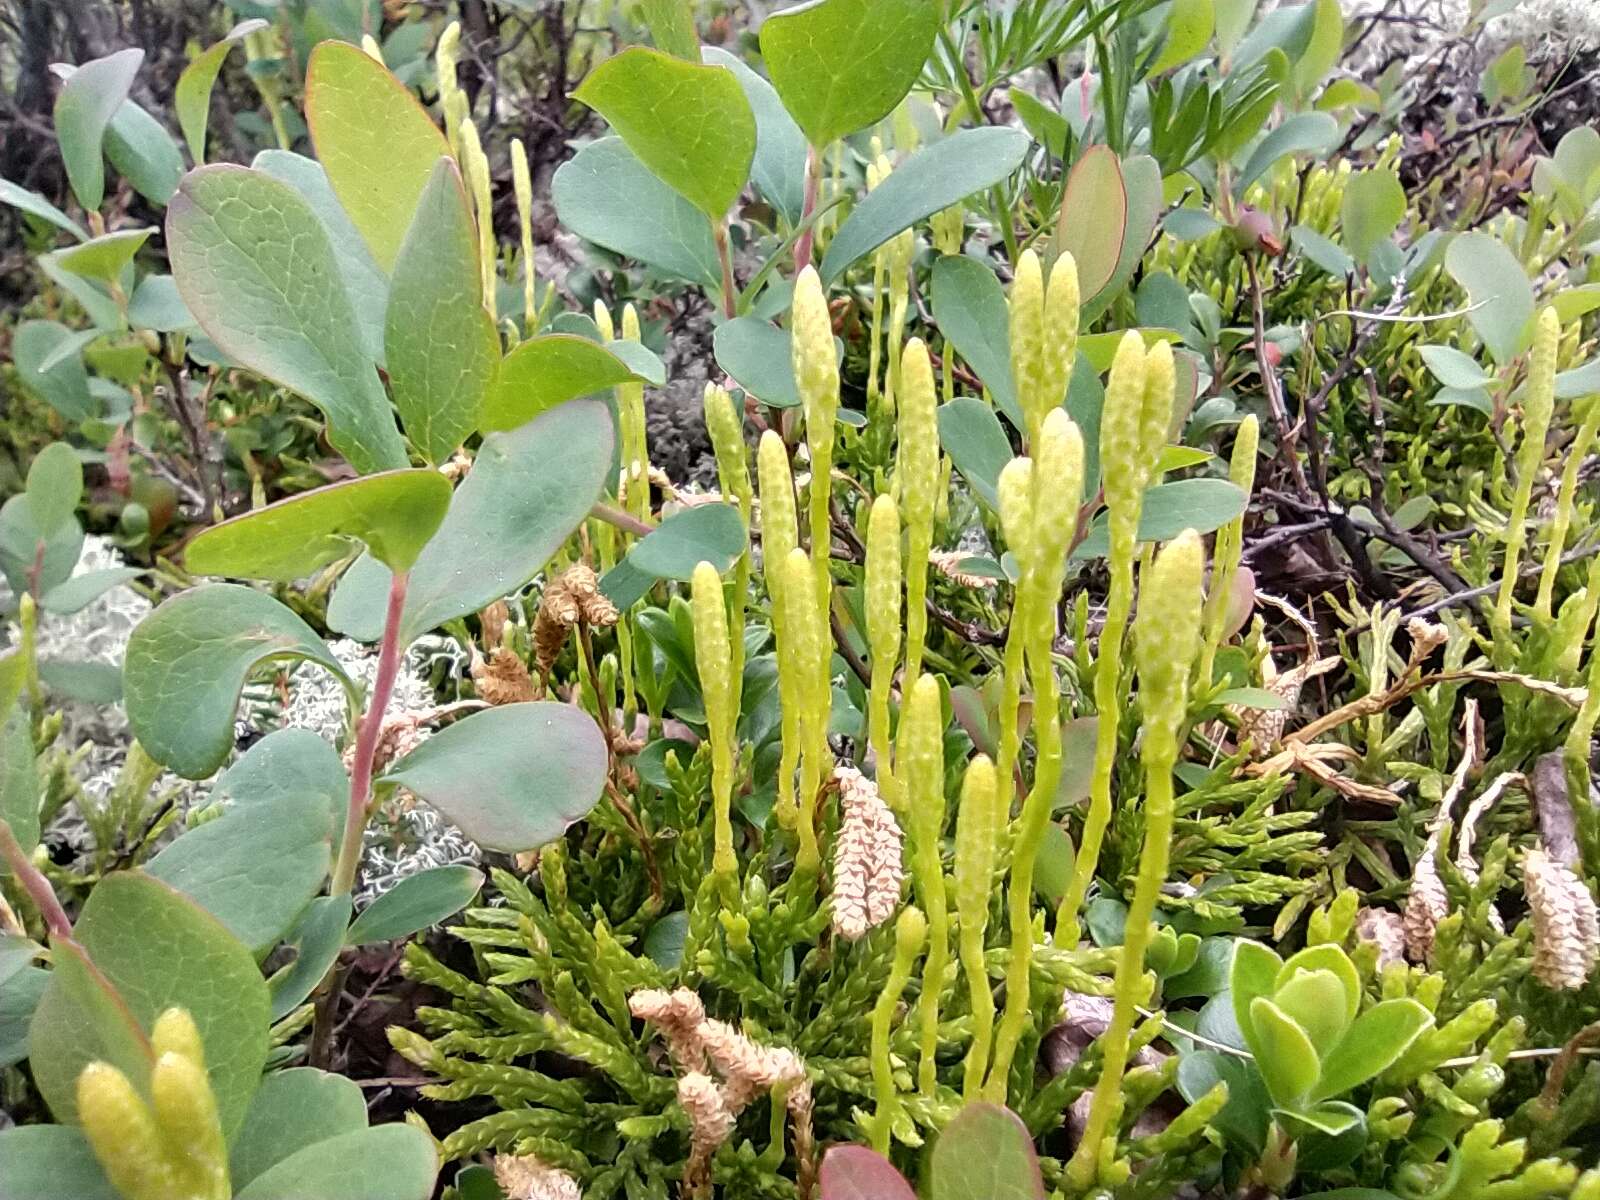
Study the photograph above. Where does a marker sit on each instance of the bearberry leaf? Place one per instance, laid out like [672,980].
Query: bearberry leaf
[84,107]
[293,1110]
[386,1162]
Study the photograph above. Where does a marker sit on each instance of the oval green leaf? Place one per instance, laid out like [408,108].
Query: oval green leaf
[254,868]
[293,1110]
[690,124]
[841,65]
[416,903]
[439,341]
[152,949]
[779,167]
[547,371]
[192,97]
[757,354]
[931,180]
[104,257]
[1169,508]
[393,515]
[606,195]
[1284,1053]
[1094,217]
[84,107]
[285,316]
[512,778]
[527,491]
[970,307]
[386,1162]
[977,445]
[375,141]
[188,661]
[1497,288]
[860,1173]
[985,1151]
[1374,1041]
[51,1162]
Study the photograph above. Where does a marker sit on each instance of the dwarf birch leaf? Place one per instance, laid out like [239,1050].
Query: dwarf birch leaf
[527,491]
[377,144]
[63,385]
[985,1151]
[36,205]
[192,97]
[104,257]
[841,65]
[188,661]
[50,1162]
[152,949]
[416,903]
[393,515]
[1094,217]
[1498,289]
[690,124]
[970,307]
[932,179]
[84,107]
[254,868]
[292,1110]
[860,1173]
[285,316]
[544,372]
[606,195]
[512,778]
[385,1162]
[439,341]
[779,167]
[364,283]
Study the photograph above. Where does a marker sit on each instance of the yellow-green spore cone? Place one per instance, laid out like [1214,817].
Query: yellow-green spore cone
[122,1133]
[714,660]
[1062,313]
[816,374]
[1026,316]
[979,821]
[1168,638]
[807,663]
[882,596]
[918,470]
[780,537]
[186,1112]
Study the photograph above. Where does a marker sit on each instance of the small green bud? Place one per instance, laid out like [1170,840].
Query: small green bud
[602,320]
[186,1110]
[883,582]
[630,323]
[1058,491]
[175,1033]
[910,931]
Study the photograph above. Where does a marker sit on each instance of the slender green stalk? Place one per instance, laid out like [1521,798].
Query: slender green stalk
[1577,452]
[779,538]
[921,762]
[1536,412]
[1169,636]
[882,602]
[978,824]
[1229,544]
[910,930]
[919,486]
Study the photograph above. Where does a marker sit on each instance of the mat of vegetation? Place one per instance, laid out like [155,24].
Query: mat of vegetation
[1096,698]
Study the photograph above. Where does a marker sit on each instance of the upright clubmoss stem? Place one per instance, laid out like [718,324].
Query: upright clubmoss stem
[1169,635]
[978,824]
[921,761]
[910,931]
[1536,412]
[1229,544]
[882,588]
[355,819]
[1577,453]
[919,488]
[713,656]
